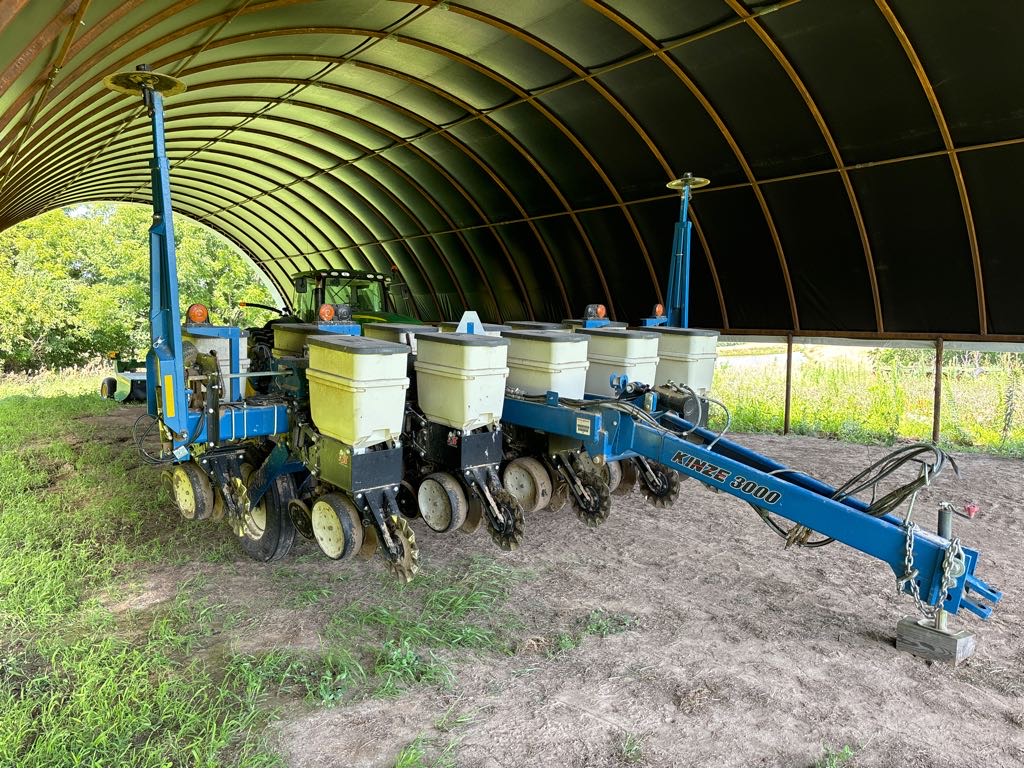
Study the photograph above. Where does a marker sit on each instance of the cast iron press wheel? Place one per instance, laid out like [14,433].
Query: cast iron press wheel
[664,490]
[597,500]
[408,562]
[528,481]
[336,526]
[442,502]
[511,535]
[266,532]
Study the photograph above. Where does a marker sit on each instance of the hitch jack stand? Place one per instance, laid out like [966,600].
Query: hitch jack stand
[932,639]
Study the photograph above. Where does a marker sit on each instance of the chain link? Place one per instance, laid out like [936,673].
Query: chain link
[952,568]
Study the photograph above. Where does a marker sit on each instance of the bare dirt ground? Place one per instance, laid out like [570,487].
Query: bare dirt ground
[741,653]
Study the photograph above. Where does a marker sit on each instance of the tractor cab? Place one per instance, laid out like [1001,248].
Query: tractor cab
[374,297]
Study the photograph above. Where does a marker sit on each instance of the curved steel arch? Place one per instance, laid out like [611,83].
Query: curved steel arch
[954,161]
[833,149]
[430,161]
[411,145]
[132,162]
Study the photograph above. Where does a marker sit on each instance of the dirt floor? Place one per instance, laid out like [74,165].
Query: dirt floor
[741,653]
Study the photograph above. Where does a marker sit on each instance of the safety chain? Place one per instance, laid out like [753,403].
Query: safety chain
[953,566]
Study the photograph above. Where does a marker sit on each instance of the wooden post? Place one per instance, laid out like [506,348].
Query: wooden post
[937,405]
[789,384]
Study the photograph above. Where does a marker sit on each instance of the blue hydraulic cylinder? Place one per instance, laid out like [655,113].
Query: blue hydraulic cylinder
[677,301]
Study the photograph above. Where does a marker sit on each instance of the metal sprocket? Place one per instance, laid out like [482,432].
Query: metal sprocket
[408,561]
[512,536]
[597,502]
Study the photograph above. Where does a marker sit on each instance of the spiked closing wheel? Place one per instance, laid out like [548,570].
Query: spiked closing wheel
[663,489]
[595,502]
[133,81]
[510,535]
[407,562]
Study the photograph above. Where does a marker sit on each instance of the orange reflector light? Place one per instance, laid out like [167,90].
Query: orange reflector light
[326,313]
[197,313]
[601,311]
[659,310]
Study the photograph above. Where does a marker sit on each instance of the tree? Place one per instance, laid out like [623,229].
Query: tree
[74,284]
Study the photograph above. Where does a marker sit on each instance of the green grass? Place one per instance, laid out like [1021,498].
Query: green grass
[834,759]
[861,401]
[415,754]
[631,751]
[397,637]
[599,623]
[80,685]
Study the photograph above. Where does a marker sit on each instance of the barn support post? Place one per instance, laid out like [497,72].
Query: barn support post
[937,405]
[789,385]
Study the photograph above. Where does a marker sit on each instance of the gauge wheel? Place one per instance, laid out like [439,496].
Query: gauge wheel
[528,481]
[628,469]
[336,527]
[266,532]
[407,503]
[442,502]
[192,492]
[612,474]
[474,516]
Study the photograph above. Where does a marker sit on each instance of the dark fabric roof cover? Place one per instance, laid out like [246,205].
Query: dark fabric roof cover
[511,156]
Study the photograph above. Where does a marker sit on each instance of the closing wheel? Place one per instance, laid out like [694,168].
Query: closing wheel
[663,489]
[405,566]
[474,517]
[442,502]
[509,536]
[336,526]
[192,492]
[528,481]
[266,532]
[596,502]
[628,469]
[611,472]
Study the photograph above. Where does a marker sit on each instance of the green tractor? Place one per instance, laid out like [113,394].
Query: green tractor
[374,297]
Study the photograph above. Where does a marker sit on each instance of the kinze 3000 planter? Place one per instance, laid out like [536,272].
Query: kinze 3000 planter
[359,429]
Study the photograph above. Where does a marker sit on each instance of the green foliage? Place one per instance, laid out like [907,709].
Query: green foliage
[632,748]
[74,284]
[76,687]
[882,397]
[834,759]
